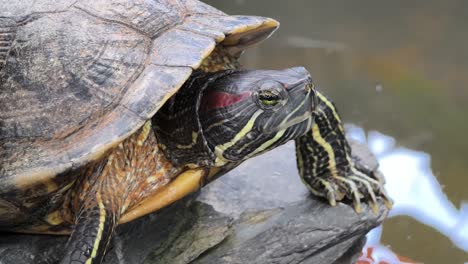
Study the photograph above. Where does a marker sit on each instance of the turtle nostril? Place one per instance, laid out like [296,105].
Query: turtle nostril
[310,85]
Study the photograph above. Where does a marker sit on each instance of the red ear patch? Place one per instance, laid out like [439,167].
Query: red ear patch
[216,99]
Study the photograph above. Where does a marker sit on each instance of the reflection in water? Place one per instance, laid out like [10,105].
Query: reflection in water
[415,192]
[380,254]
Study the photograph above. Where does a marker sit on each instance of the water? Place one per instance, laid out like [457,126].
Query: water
[400,68]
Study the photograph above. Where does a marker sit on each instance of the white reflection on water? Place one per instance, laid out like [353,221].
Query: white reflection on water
[414,189]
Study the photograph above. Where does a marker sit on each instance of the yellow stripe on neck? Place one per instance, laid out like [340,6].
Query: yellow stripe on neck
[327,147]
[330,105]
[219,150]
[339,124]
[102,219]
[267,144]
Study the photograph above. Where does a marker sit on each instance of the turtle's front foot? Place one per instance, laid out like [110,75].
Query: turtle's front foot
[356,187]
[328,166]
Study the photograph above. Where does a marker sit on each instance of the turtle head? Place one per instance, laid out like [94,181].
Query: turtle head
[245,113]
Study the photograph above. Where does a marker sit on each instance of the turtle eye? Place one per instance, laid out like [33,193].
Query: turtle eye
[268,99]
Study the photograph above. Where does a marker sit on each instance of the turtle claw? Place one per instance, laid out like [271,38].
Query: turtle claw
[375,207]
[373,203]
[388,204]
[369,191]
[387,200]
[356,187]
[357,206]
[331,199]
[379,186]
[331,192]
[353,189]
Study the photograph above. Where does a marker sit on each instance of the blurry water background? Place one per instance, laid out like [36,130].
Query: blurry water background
[400,68]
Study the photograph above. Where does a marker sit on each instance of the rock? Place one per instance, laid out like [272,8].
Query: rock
[258,213]
[304,232]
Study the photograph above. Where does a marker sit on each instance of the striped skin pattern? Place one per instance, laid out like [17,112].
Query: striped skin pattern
[138,168]
[233,123]
[241,127]
[92,233]
[325,162]
[132,171]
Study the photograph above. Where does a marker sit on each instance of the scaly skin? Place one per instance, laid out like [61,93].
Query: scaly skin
[326,165]
[132,171]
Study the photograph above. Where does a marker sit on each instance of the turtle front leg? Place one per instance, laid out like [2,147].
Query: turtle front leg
[95,224]
[94,204]
[135,179]
[327,167]
[100,214]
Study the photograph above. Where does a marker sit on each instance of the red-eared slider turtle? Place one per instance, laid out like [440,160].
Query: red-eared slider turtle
[112,109]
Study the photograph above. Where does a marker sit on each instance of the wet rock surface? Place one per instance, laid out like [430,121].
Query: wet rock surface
[258,213]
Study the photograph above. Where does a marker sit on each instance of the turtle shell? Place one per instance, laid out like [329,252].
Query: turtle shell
[78,77]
